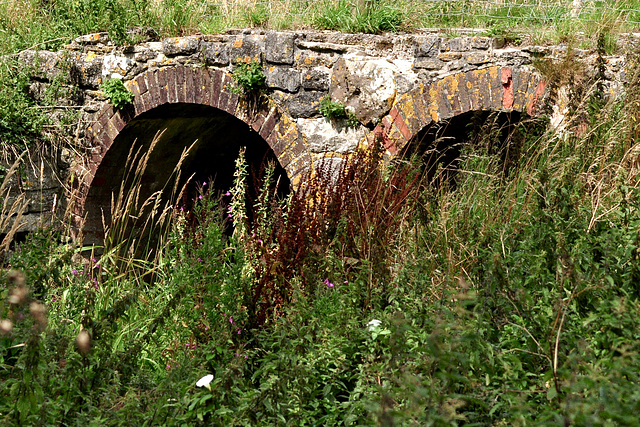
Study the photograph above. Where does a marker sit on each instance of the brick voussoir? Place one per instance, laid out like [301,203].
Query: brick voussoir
[170,82]
[205,87]
[161,79]
[506,80]
[224,93]
[537,97]
[117,121]
[217,78]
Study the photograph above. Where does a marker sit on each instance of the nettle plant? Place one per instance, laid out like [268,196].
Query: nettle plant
[249,78]
[117,94]
[333,110]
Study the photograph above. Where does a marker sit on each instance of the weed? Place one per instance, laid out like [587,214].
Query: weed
[116,92]
[249,78]
[333,110]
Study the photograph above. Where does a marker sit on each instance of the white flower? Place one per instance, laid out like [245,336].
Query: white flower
[373,324]
[205,381]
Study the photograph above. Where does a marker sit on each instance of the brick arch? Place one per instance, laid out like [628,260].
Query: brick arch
[182,84]
[493,88]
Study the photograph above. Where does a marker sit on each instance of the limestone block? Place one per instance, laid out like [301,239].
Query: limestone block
[457,44]
[245,48]
[318,78]
[330,136]
[428,63]
[46,65]
[86,70]
[427,47]
[180,46]
[116,66]
[285,78]
[278,48]
[481,42]
[366,86]
[304,104]
[216,54]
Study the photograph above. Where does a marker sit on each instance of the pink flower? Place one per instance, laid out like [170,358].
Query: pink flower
[228,193]
[204,184]
[328,283]
[231,319]
[200,197]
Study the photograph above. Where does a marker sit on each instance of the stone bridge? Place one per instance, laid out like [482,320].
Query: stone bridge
[396,85]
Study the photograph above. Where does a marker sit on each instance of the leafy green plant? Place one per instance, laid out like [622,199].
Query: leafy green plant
[249,78]
[116,92]
[333,110]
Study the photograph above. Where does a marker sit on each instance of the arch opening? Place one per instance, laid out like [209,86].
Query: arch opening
[439,147]
[218,138]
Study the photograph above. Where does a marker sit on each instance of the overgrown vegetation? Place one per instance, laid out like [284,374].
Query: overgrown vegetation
[116,92]
[333,110]
[497,296]
[249,78]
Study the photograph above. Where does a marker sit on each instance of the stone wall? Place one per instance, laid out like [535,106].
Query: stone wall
[394,84]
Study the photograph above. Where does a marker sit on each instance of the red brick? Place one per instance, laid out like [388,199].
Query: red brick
[270,123]
[170,82]
[142,84]
[506,79]
[217,77]
[224,92]
[161,79]
[180,84]
[118,122]
[539,93]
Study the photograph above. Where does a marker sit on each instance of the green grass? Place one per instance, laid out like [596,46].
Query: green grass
[506,293]
[28,24]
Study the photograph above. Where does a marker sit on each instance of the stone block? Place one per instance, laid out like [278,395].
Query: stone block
[278,48]
[86,70]
[245,48]
[457,44]
[483,43]
[216,54]
[284,78]
[305,104]
[427,47]
[180,46]
[428,63]
[318,78]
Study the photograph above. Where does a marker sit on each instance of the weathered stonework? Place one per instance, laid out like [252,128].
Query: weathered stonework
[395,85]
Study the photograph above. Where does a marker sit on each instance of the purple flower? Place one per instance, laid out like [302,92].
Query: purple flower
[231,319]
[93,260]
[328,283]
[204,184]
[239,330]
[228,193]
[199,259]
[74,272]
[200,197]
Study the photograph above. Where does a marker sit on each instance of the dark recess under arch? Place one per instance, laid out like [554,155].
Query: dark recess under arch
[219,136]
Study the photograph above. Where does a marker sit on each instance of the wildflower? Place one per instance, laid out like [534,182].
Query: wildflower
[231,319]
[83,341]
[74,272]
[228,194]
[200,197]
[239,330]
[373,324]
[205,381]
[328,283]
[204,184]
[199,259]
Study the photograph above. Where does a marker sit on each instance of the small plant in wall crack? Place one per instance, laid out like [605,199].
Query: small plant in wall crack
[249,78]
[333,110]
[117,94]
